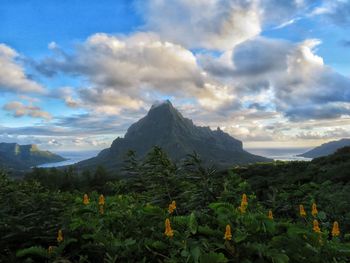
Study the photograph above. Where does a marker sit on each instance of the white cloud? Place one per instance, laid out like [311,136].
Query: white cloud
[217,24]
[300,85]
[288,23]
[12,74]
[213,24]
[131,72]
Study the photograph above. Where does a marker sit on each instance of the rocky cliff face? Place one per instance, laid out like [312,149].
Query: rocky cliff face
[164,126]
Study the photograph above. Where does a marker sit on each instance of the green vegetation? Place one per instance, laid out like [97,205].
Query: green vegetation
[46,218]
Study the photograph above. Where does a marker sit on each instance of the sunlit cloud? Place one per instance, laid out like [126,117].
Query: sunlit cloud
[18,109]
[12,74]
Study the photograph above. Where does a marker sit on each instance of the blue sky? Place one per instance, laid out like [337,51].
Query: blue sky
[75,74]
[28,26]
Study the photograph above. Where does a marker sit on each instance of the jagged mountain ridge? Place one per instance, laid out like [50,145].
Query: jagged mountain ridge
[22,157]
[164,126]
[326,148]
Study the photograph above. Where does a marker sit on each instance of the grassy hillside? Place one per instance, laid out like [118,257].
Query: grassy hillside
[162,212]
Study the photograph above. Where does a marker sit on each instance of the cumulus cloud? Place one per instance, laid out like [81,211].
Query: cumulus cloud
[130,72]
[18,109]
[217,24]
[214,24]
[300,85]
[12,74]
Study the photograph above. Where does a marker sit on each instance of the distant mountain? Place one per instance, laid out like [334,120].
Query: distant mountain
[164,126]
[326,149]
[21,157]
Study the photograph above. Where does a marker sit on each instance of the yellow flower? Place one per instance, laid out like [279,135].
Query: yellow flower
[228,235]
[168,231]
[335,230]
[50,249]
[316,227]
[244,204]
[302,211]
[270,216]
[314,211]
[59,236]
[86,200]
[172,207]
[101,200]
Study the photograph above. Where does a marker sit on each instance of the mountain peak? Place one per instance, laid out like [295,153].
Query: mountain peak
[163,103]
[177,135]
[164,111]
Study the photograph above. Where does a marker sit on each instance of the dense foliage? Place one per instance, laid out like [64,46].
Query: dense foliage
[248,214]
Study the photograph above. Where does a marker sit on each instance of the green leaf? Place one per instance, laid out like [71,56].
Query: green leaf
[184,253]
[213,258]
[129,242]
[32,251]
[158,245]
[193,225]
[195,253]
[280,258]
[322,215]
[240,236]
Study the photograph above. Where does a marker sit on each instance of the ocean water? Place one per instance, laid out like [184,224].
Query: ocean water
[72,158]
[281,154]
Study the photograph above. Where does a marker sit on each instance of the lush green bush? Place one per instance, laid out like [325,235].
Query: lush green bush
[129,226]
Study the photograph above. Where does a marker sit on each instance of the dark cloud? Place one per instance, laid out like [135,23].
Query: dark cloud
[316,112]
[261,56]
[258,106]
[89,124]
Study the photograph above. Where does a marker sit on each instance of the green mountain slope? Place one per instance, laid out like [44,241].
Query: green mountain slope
[164,126]
[21,157]
[326,149]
